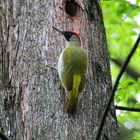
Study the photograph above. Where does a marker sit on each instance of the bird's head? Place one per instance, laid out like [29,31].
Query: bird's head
[70,35]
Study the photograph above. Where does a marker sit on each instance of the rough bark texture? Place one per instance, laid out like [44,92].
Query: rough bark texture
[32,100]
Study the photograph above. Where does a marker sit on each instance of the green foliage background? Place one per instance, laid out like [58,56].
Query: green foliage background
[122,23]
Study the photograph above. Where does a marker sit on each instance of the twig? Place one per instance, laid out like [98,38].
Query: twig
[3,137]
[132,109]
[115,88]
[129,70]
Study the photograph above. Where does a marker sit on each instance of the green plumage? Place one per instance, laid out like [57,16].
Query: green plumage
[75,62]
[73,75]
[72,66]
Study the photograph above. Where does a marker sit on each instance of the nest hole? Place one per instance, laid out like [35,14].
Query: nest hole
[71,7]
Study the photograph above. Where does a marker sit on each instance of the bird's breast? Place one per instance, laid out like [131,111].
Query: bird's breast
[60,66]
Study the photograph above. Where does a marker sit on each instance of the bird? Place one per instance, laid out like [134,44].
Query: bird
[72,67]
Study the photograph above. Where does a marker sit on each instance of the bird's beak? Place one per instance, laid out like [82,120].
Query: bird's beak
[58,30]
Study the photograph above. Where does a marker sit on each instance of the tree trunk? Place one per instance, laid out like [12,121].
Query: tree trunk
[32,100]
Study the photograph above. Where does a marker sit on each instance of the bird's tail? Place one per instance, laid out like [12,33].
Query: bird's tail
[71,103]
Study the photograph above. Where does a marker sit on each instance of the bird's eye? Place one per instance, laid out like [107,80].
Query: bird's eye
[68,35]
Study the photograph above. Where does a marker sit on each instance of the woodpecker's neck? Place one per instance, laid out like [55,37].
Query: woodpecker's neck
[74,41]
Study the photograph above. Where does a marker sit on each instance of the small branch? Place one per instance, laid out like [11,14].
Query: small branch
[129,70]
[132,109]
[3,137]
[115,88]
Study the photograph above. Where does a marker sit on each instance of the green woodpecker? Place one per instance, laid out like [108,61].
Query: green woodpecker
[72,66]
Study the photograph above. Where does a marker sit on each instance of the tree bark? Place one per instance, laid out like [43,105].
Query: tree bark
[32,100]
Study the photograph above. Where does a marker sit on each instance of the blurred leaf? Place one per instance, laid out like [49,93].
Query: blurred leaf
[122,23]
